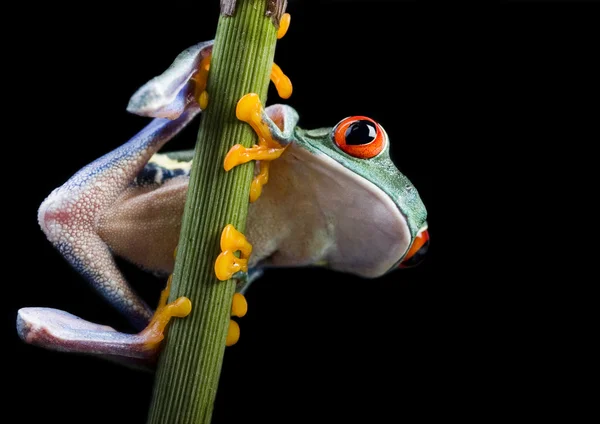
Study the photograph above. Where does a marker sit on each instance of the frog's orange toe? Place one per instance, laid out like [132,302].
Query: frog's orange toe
[233,333]
[248,107]
[282,82]
[234,157]
[203,100]
[154,332]
[284,25]
[239,305]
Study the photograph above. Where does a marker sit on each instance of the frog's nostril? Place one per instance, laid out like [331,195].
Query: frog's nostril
[417,251]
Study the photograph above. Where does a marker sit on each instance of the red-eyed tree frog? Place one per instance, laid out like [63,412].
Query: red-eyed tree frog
[334,199]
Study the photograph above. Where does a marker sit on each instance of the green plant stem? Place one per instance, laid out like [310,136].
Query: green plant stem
[190,363]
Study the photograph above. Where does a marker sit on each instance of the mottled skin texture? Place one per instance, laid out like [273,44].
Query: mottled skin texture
[320,207]
[74,216]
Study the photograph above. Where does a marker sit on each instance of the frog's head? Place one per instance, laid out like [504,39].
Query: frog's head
[361,146]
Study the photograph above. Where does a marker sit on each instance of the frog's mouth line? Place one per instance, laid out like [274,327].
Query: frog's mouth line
[392,226]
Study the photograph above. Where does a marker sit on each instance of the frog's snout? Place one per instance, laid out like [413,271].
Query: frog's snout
[417,251]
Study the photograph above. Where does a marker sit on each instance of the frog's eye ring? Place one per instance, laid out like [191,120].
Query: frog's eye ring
[359,136]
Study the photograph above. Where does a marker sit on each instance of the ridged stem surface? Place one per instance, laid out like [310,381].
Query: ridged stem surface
[190,364]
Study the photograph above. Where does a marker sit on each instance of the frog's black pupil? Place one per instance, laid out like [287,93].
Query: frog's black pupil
[361,132]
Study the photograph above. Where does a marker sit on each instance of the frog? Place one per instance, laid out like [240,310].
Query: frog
[333,198]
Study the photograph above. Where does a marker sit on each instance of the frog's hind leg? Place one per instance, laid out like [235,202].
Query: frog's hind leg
[69,216]
[58,330]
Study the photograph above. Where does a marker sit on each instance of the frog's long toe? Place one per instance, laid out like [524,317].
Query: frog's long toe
[239,154]
[59,330]
[239,305]
[281,81]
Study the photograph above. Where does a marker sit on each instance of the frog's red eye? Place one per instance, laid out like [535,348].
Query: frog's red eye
[359,136]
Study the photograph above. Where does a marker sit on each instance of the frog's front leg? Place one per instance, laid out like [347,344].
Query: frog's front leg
[70,215]
[272,139]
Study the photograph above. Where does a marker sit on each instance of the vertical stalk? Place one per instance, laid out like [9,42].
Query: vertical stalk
[190,364]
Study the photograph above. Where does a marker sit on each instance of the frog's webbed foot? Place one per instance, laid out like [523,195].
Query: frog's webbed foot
[61,331]
[58,330]
[153,334]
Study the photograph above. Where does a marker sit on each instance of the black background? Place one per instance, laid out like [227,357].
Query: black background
[331,347]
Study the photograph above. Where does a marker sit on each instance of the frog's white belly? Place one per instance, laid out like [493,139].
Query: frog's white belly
[313,210]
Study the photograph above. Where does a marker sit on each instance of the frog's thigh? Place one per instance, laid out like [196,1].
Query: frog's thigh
[143,224]
[68,221]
